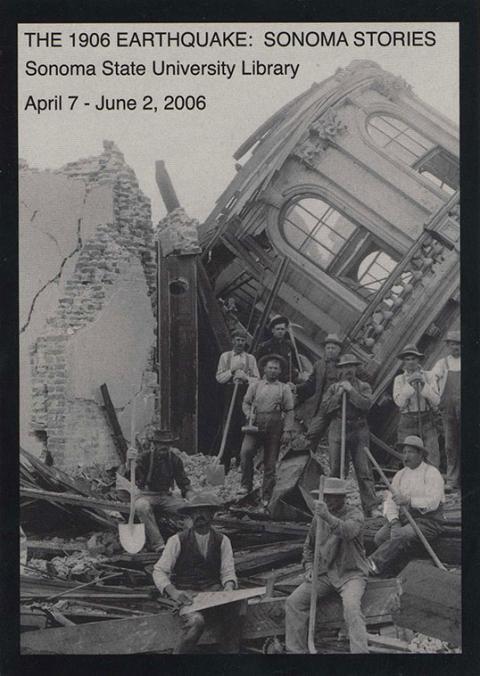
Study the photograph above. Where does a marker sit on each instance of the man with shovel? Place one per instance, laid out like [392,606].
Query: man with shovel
[415,393]
[156,471]
[200,559]
[236,369]
[343,569]
[348,431]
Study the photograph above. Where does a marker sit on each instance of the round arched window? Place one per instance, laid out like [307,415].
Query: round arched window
[374,270]
[317,230]
[398,139]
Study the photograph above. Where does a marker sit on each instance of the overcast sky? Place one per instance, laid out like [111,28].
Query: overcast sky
[197,146]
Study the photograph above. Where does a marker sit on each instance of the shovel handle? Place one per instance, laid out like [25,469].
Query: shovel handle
[133,491]
[316,558]
[227,424]
[344,435]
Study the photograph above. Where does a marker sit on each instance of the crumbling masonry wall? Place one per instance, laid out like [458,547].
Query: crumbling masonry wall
[87,306]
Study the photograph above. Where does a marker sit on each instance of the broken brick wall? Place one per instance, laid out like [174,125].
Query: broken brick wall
[87,306]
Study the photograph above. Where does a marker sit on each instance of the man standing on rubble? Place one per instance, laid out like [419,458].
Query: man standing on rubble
[323,375]
[359,401]
[415,394]
[279,344]
[156,471]
[272,403]
[447,376]
[200,559]
[420,488]
[235,367]
[343,569]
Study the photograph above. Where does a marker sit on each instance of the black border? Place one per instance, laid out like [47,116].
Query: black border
[467,12]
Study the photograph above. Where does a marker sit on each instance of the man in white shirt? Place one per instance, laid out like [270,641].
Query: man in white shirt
[235,366]
[412,389]
[447,375]
[200,559]
[419,487]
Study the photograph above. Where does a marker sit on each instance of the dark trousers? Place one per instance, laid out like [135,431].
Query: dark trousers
[451,427]
[222,620]
[316,430]
[357,437]
[408,424]
[235,435]
[269,436]
[393,544]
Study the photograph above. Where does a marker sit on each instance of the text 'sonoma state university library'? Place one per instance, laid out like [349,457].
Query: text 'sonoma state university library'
[255,415]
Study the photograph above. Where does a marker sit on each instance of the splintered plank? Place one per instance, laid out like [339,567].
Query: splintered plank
[159,633]
[431,602]
[72,499]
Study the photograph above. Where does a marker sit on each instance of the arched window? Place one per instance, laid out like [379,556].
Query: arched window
[374,270]
[317,230]
[398,139]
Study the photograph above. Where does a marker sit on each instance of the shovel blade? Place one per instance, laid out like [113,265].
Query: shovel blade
[132,537]
[215,474]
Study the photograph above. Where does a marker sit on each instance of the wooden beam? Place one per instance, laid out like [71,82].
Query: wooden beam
[159,633]
[431,602]
[71,499]
[165,186]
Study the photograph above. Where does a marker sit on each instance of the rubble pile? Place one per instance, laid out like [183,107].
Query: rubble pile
[427,644]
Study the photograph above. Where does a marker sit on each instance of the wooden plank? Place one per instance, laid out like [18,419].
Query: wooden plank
[431,602]
[159,633]
[212,310]
[55,548]
[213,599]
[72,499]
[117,432]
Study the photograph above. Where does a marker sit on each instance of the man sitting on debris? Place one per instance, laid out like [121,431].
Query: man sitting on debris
[415,393]
[156,471]
[323,375]
[359,401]
[272,403]
[343,569]
[420,488]
[447,375]
[200,559]
[279,344]
[235,366]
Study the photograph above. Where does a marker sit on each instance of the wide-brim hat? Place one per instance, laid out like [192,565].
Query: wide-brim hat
[416,442]
[333,338]
[278,319]
[167,436]
[267,357]
[410,349]
[204,501]
[453,337]
[348,359]
[333,486]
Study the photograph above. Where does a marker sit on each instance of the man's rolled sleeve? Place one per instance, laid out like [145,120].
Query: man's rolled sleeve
[227,571]
[162,570]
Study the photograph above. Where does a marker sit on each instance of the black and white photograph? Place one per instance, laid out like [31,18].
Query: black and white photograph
[239,338]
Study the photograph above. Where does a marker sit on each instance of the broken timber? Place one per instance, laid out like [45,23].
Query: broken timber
[431,602]
[159,633]
[72,499]
[117,433]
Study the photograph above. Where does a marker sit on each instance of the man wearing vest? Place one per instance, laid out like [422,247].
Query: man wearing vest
[359,401]
[411,389]
[272,403]
[420,488]
[323,375]
[156,471]
[279,344]
[343,569]
[447,375]
[235,366]
[200,559]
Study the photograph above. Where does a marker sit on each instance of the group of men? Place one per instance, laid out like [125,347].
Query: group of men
[200,558]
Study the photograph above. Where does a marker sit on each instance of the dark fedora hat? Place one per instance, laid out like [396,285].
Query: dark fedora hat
[202,500]
[262,362]
[278,319]
[164,435]
[348,359]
